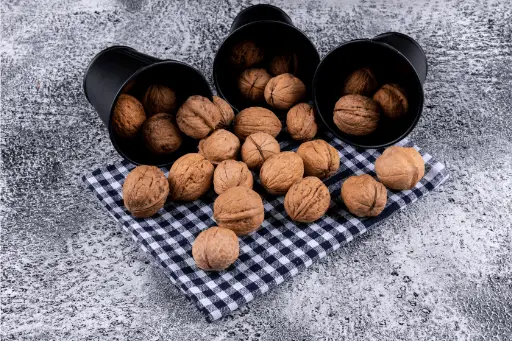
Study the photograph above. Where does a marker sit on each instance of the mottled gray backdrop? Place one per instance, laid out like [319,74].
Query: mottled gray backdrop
[440,270]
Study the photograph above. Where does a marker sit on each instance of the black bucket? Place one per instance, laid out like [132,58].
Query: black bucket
[120,69]
[273,30]
[395,58]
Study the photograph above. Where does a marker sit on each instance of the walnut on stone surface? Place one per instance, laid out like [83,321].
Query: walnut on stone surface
[198,117]
[364,196]
[280,171]
[283,91]
[400,168]
[128,116]
[307,200]
[356,115]
[215,249]
[231,173]
[284,63]
[160,134]
[257,148]
[300,122]
[392,101]
[190,177]
[256,119]
[251,84]
[219,146]
[320,158]
[246,54]
[226,112]
[159,99]
[361,82]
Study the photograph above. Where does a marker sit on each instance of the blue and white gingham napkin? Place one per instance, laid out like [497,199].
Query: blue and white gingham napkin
[279,250]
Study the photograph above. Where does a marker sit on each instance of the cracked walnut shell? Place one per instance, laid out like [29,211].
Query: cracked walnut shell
[159,99]
[257,148]
[356,115]
[283,91]
[400,168]
[392,101]
[145,190]
[226,112]
[246,54]
[198,117]
[215,249]
[231,173]
[219,146]
[239,209]
[190,177]
[160,134]
[252,82]
[307,200]
[280,171]
[320,158]
[361,82]
[256,119]
[364,196]
[128,116]
[300,121]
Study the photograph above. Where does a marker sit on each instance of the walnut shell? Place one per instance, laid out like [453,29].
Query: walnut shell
[226,112]
[190,177]
[215,249]
[229,174]
[239,209]
[364,196]
[219,146]
[198,117]
[257,148]
[246,54]
[256,119]
[320,158]
[356,115]
[361,82]
[160,135]
[251,84]
[280,171]
[300,121]
[145,190]
[128,116]
[400,168]
[159,99]
[284,63]
[283,91]
[392,101]
[307,200]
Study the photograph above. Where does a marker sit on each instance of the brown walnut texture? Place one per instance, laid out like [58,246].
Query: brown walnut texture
[145,190]
[128,116]
[256,119]
[356,115]
[283,91]
[251,84]
[239,209]
[215,249]
[280,171]
[364,196]
[392,101]
[219,146]
[159,99]
[226,112]
[307,200]
[320,158]
[190,177]
[160,134]
[257,148]
[400,168]
[229,174]
[246,54]
[361,82]
[198,117]
[284,63]
[300,122]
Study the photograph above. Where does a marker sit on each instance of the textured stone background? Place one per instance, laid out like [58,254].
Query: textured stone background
[440,270]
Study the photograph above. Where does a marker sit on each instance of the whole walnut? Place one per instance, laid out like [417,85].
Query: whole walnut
[145,190]
[356,115]
[159,99]
[219,146]
[226,112]
[300,121]
[320,158]
[361,82]
[229,174]
[364,196]
[307,200]
[239,209]
[280,171]
[284,63]
[257,148]
[198,117]
[215,249]
[400,168]
[128,116]
[252,82]
[246,54]
[160,134]
[256,119]
[283,91]
[392,101]
[190,177]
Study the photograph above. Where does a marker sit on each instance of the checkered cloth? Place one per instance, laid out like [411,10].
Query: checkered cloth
[279,250]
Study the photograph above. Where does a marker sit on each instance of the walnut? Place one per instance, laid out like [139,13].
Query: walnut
[159,99]
[400,168]
[246,54]
[392,101]
[364,196]
[145,190]
[361,82]
[256,119]
[215,249]
[283,91]
[257,148]
[128,116]
[320,158]
[160,134]
[284,63]
[219,146]
[307,200]
[226,112]
[251,84]
[356,115]
[198,117]
[231,173]
[280,171]
[239,209]
[300,121]
[190,177]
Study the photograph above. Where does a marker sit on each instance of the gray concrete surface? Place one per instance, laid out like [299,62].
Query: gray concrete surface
[441,270]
